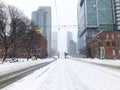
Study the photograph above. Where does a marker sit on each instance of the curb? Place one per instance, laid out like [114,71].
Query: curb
[100,64]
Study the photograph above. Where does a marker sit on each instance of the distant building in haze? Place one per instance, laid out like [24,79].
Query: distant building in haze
[72,48]
[42,20]
[69,38]
[54,42]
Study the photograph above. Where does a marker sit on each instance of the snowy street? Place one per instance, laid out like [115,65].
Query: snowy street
[67,74]
[9,78]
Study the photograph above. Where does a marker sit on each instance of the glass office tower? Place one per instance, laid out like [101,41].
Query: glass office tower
[42,20]
[94,16]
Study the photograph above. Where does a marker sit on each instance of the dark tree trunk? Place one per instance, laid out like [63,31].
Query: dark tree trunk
[4,55]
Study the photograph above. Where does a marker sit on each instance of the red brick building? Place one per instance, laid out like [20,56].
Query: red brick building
[104,45]
[40,48]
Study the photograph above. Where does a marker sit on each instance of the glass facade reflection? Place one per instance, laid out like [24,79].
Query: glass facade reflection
[94,16]
[91,13]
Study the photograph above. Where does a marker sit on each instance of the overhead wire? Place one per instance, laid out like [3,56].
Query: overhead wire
[57,18]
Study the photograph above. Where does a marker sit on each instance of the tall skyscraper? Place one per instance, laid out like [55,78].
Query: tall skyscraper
[117,14]
[69,38]
[42,20]
[94,16]
[72,48]
[54,43]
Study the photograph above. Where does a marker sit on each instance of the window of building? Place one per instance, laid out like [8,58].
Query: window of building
[113,44]
[119,44]
[81,3]
[113,52]
[108,43]
[107,36]
[113,36]
[118,35]
[119,52]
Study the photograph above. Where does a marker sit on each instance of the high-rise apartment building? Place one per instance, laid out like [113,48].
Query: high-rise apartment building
[69,38]
[117,14]
[72,48]
[54,43]
[42,20]
[94,16]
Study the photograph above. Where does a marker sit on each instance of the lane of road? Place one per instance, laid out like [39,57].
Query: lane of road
[76,75]
[7,79]
[93,77]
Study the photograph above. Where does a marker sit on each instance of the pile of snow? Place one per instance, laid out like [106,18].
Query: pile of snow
[23,63]
[110,62]
[32,81]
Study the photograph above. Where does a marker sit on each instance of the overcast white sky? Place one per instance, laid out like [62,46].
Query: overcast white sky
[66,11]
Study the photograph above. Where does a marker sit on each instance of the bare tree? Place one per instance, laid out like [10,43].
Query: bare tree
[32,42]
[17,31]
[35,42]
[17,28]
[12,29]
[5,41]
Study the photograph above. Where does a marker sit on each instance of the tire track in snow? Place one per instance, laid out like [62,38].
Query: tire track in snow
[77,83]
[93,77]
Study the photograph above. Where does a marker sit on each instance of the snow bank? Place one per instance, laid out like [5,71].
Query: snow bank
[107,62]
[11,67]
[33,81]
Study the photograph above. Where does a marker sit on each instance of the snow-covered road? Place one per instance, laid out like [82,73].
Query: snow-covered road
[66,74]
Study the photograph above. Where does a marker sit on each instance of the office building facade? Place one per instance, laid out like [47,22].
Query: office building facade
[117,14]
[94,16]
